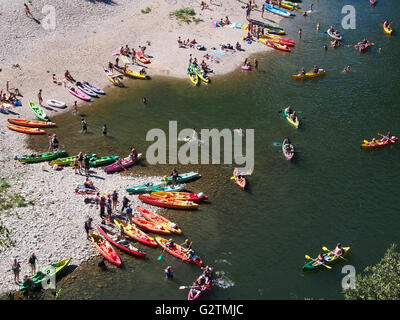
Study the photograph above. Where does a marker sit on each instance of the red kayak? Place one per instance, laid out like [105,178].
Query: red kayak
[77,93]
[178,251]
[142,58]
[372,2]
[105,249]
[112,234]
[154,217]
[276,46]
[280,40]
[197,291]
[364,46]
[168,203]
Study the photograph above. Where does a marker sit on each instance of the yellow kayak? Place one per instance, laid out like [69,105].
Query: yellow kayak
[128,72]
[321,72]
[388,29]
[194,79]
[295,123]
[113,79]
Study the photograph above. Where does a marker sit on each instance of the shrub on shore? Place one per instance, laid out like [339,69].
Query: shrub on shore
[185,15]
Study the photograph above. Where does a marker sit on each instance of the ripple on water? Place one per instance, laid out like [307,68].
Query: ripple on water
[222,280]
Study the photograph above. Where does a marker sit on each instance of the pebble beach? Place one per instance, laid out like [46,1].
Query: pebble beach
[85,35]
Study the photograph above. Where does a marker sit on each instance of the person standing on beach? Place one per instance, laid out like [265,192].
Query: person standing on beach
[114,199]
[109,208]
[104,130]
[27,11]
[102,204]
[40,98]
[75,108]
[84,125]
[16,268]
[32,262]
[88,226]
[54,142]
[263,9]
[125,203]
[86,163]
[116,61]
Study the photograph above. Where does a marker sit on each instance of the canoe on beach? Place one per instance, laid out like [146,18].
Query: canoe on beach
[135,233]
[78,94]
[25,129]
[47,156]
[93,87]
[150,226]
[31,123]
[69,160]
[114,79]
[38,111]
[86,90]
[113,235]
[122,164]
[46,273]
[154,217]
[278,11]
[128,72]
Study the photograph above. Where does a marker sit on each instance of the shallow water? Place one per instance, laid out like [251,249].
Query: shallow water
[333,191]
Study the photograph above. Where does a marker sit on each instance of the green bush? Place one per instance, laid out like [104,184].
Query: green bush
[185,15]
[379,282]
[147,10]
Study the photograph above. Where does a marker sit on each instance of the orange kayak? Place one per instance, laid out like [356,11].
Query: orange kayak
[150,226]
[154,217]
[168,203]
[379,143]
[25,129]
[32,123]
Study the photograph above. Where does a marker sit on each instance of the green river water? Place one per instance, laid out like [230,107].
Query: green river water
[332,191]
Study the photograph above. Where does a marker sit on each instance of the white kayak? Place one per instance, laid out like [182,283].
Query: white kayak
[92,87]
[56,103]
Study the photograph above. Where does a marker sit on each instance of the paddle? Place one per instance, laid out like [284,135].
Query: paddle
[308,257]
[186,287]
[386,137]
[122,167]
[326,249]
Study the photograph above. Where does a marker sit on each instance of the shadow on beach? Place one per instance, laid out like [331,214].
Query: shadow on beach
[110,2]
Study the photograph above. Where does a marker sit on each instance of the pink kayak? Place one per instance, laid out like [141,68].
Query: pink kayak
[121,164]
[246,68]
[78,94]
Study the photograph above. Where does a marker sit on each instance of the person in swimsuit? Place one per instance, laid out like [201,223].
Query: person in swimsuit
[16,268]
[55,142]
[86,162]
[32,263]
[174,175]
[84,125]
[114,199]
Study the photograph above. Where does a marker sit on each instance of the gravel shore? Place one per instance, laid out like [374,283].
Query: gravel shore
[85,35]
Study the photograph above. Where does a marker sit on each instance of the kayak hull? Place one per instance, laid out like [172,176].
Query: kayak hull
[47,156]
[105,249]
[135,233]
[183,196]
[35,131]
[379,143]
[320,73]
[125,163]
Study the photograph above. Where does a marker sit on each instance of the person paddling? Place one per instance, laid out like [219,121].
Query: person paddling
[288,111]
[338,251]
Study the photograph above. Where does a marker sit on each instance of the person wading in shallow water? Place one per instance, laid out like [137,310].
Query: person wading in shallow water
[84,125]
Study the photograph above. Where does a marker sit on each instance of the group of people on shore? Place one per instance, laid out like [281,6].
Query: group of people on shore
[16,268]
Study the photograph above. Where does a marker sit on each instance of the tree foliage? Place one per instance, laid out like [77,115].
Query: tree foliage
[379,282]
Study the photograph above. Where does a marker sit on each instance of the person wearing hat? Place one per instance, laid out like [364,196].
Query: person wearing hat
[170,244]
[186,244]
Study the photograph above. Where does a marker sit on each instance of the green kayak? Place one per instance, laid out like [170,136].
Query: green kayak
[45,273]
[38,111]
[154,187]
[47,156]
[313,265]
[160,186]
[103,161]
[69,160]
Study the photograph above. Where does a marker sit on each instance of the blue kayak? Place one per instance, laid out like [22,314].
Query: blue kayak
[279,11]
